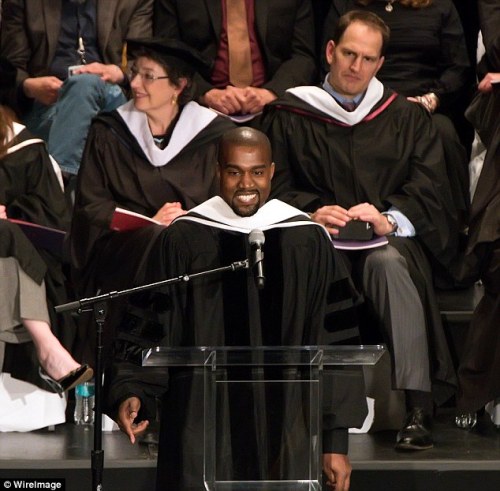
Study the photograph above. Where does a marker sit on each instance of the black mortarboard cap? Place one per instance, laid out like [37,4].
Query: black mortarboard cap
[172,51]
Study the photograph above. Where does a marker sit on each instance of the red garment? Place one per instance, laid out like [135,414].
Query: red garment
[220,74]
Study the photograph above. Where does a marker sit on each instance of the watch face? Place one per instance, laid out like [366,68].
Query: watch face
[393,222]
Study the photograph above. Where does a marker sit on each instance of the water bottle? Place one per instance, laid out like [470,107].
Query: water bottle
[84,403]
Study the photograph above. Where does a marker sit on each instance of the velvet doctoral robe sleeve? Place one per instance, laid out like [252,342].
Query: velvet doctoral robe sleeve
[332,299]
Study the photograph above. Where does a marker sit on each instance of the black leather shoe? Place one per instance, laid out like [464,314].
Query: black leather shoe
[78,376]
[416,433]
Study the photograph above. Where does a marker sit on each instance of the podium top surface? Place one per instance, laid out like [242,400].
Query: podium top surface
[200,356]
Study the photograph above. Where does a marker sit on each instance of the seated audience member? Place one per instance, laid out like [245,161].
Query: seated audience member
[32,279]
[480,362]
[257,49]
[307,299]
[155,155]
[427,61]
[355,150]
[68,55]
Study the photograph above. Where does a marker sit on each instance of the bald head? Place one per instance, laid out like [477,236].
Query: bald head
[245,169]
[244,137]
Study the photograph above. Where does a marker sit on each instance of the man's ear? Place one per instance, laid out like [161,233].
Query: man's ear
[273,168]
[330,48]
[380,63]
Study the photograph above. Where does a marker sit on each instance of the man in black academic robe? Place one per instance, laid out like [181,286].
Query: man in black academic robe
[354,150]
[308,299]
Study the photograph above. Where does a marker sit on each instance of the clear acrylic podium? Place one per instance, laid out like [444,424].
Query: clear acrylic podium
[275,393]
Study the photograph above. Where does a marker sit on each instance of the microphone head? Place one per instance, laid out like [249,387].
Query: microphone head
[256,237]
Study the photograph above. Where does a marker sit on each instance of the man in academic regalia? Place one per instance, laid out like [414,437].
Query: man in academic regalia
[355,150]
[307,299]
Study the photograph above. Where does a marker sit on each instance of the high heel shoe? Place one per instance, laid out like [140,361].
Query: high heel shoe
[69,381]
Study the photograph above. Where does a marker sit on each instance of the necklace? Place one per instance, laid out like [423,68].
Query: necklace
[389,7]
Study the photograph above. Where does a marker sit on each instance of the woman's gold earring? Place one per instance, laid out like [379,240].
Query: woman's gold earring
[174,99]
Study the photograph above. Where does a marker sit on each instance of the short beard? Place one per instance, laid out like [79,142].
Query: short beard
[245,212]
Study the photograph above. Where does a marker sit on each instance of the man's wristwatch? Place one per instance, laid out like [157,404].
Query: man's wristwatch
[393,222]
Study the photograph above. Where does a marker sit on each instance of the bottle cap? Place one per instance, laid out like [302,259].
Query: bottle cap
[85,390]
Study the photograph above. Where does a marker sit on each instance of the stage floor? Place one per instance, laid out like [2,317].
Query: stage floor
[458,459]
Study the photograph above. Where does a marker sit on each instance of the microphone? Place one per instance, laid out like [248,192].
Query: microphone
[256,239]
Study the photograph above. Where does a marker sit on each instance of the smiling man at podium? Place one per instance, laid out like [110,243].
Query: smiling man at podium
[300,295]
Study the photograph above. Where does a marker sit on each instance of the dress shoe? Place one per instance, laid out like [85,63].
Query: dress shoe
[416,432]
[69,381]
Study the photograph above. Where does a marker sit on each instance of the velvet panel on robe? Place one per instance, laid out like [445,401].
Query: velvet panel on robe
[308,299]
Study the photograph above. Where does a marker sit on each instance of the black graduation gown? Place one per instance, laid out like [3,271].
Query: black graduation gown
[480,363]
[308,299]
[31,192]
[116,173]
[391,158]
[427,53]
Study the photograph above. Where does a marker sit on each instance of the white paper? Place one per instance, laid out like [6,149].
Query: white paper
[25,407]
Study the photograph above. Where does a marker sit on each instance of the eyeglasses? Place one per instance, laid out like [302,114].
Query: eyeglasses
[146,77]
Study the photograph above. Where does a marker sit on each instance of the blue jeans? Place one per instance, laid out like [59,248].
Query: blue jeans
[65,124]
